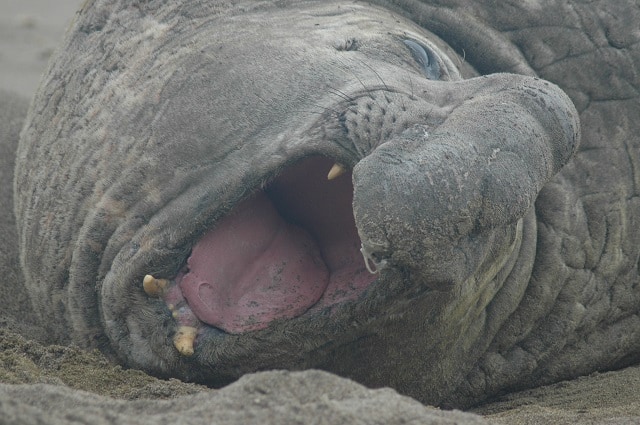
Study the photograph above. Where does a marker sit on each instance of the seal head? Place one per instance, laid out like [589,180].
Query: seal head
[175,210]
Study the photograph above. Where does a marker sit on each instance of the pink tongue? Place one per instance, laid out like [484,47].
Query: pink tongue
[253,268]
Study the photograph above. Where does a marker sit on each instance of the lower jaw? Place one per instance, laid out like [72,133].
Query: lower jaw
[189,327]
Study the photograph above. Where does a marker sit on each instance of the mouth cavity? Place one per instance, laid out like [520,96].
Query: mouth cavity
[286,250]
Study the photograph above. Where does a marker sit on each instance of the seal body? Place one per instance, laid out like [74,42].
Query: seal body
[174,209]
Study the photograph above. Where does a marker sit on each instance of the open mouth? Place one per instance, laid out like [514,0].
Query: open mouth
[288,249]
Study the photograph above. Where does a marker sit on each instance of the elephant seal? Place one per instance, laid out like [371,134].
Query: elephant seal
[174,210]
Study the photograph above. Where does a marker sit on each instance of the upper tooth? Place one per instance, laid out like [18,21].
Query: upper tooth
[154,287]
[336,171]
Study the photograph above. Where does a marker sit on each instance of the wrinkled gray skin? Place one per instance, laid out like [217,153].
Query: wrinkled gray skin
[495,273]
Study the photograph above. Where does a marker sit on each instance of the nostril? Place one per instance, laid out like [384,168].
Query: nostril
[373,257]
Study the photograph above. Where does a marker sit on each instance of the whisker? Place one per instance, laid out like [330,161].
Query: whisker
[366,89]
[412,97]
[341,94]
[377,75]
[327,109]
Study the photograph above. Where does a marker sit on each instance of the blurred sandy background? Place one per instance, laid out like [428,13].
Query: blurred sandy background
[30,30]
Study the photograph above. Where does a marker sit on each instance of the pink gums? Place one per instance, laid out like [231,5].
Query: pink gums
[255,266]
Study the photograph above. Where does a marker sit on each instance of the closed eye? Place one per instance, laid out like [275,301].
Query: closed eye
[425,57]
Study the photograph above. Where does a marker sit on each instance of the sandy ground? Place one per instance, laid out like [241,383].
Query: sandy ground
[30,30]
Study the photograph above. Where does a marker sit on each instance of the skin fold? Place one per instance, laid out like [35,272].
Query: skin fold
[497,213]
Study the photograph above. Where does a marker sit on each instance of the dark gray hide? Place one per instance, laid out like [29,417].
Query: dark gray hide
[154,120]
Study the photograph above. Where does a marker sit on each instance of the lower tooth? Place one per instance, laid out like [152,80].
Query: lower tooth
[154,287]
[184,340]
[185,336]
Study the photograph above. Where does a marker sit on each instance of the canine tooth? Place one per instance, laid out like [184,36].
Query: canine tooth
[154,287]
[184,339]
[336,171]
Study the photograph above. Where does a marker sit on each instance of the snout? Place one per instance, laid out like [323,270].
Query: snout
[428,199]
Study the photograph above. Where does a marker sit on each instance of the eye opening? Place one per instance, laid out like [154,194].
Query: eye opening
[426,58]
